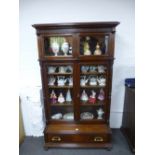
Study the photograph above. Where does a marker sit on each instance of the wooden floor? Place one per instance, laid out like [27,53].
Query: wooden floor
[34,146]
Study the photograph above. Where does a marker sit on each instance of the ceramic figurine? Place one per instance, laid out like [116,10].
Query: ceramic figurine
[97,50]
[93,81]
[83,81]
[101,69]
[100,112]
[101,81]
[51,81]
[57,116]
[101,95]
[61,98]
[86,49]
[62,69]
[92,98]
[70,81]
[55,47]
[51,69]
[70,50]
[61,80]
[65,47]
[68,96]
[53,97]
[84,96]
[84,69]
[69,69]
[92,69]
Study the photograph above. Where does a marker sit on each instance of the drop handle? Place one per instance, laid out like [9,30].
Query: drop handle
[98,139]
[56,139]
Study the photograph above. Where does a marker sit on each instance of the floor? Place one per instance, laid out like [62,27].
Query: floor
[34,146]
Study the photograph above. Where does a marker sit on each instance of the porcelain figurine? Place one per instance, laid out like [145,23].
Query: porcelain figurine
[70,81]
[61,98]
[53,97]
[51,69]
[62,69]
[92,69]
[70,50]
[65,47]
[101,95]
[51,81]
[97,50]
[100,112]
[93,81]
[92,98]
[101,69]
[101,81]
[68,96]
[86,49]
[55,48]
[57,116]
[83,81]
[61,80]
[84,69]
[84,96]
[69,69]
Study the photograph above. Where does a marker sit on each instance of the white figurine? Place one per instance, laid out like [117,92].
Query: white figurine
[65,47]
[61,80]
[68,96]
[100,112]
[51,69]
[51,81]
[101,69]
[93,81]
[83,81]
[97,50]
[61,98]
[84,96]
[70,80]
[101,80]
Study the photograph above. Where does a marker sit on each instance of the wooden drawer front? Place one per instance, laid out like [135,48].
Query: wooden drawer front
[79,138]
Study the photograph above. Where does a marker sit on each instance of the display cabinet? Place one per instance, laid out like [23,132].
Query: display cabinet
[76,62]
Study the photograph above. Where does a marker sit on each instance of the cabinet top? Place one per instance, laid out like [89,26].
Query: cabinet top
[76,25]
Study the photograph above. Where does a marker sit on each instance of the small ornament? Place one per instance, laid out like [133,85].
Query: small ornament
[61,98]
[53,97]
[97,51]
[55,48]
[101,81]
[92,98]
[61,80]
[51,81]
[65,47]
[86,49]
[68,96]
[84,96]
[101,69]
[83,81]
[101,95]
[70,81]
[100,112]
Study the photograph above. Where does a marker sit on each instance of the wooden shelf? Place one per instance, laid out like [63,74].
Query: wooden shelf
[92,73]
[90,86]
[51,74]
[98,103]
[65,104]
[56,86]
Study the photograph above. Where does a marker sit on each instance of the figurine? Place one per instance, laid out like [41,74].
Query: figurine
[53,97]
[61,98]
[97,51]
[65,47]
[61,80]
[83,81]
[51,69]
[84,96]
[70,81]
[86,49]
[57,116]
[84,69]
[62,69]
[100,112]
[101,69]
[92,69]
[51,81]
[69,69]
[70,50]
[101,80]
[93,81]
[101,95]
[55,46]
[68,96]
[92,98]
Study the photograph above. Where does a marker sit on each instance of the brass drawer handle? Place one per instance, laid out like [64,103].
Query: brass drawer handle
[98,139]
[56,139]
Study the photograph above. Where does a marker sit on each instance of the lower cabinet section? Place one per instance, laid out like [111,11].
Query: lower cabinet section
[77,136]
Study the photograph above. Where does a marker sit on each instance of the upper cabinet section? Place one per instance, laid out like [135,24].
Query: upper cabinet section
[78,41]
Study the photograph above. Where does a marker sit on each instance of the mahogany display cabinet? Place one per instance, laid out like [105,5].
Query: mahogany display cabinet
[76,61]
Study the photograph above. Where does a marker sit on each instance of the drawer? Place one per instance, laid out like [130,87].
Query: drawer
[78,138]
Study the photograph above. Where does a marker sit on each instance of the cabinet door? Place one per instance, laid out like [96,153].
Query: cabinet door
[56,46]
[60,91]
[93,91]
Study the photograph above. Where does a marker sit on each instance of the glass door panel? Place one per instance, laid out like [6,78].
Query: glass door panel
[93,81]
[58,46]
[94,45]
[60,91]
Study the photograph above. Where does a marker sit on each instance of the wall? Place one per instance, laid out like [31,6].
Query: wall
[53,11]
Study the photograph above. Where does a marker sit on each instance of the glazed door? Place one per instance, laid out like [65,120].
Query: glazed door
[60,91]
[93,91]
